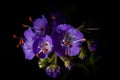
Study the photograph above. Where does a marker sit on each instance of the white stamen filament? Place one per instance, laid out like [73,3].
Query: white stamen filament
[43,46]
[79,40]
[40,51]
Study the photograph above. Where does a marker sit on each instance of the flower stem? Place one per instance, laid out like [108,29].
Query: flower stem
[55,58]
[51,58]
[63,59]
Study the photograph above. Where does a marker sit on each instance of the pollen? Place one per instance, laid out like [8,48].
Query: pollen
[45,50]
[17,45]
[66,42]
[25,25]
[30,18]
[21,41]
[37,55]
[84,39]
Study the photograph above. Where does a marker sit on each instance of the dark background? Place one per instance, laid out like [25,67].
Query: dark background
[13,15]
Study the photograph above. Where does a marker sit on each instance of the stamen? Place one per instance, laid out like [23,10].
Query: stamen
[37,55]
[79,40]
[30,18]
[17,45]
[45,50]
[21,41]
[15,36]
[24,25]
[66,42]
[40,51]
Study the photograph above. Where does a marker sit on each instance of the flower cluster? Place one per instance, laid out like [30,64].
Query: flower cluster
[63,41]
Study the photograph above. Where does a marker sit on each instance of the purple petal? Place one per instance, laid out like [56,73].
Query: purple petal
[57,37]
[75,34]
[28,34]
[28,51]
[63,27]
[75,49]
[38,23]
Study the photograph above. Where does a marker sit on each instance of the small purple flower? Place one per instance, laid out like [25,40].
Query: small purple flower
[42,46]
[53,71]
[39,25]
[67,40]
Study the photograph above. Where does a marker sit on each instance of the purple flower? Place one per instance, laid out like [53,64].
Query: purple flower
[42,46]
[67,40]
[27,46]
[53,71]
[39,25]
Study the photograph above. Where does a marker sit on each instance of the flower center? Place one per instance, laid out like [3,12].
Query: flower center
[67,43]
[44,47]
[67,40]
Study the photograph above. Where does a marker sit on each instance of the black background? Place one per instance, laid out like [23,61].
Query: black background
[14,66]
